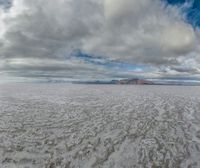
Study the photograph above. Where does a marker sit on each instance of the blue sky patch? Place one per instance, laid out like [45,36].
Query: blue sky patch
[100,61]
[192,12]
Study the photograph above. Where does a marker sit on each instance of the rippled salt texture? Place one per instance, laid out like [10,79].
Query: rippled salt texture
[88,126]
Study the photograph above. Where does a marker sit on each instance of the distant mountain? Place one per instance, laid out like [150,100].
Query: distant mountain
[120,82]
[134,82]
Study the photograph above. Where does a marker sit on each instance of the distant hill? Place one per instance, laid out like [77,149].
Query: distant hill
[134,82]
[120,82]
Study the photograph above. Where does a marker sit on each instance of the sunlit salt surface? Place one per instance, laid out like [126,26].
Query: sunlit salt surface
[99,126]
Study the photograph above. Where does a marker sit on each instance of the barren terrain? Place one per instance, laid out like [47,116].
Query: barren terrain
[99,126]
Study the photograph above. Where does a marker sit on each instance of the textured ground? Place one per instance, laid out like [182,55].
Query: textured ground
[88,126]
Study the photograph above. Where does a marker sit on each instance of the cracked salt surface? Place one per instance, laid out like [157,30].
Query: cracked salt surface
[81,126]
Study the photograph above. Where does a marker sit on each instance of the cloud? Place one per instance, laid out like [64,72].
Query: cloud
[144,32]
[40,36]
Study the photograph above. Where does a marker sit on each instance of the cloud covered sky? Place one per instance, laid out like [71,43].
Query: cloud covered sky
[99,39]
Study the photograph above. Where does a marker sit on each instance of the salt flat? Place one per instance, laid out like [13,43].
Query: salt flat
[99,126]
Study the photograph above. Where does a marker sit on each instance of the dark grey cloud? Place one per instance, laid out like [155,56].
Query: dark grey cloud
[5,4]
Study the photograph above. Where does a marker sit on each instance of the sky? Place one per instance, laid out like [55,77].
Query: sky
[80,40]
